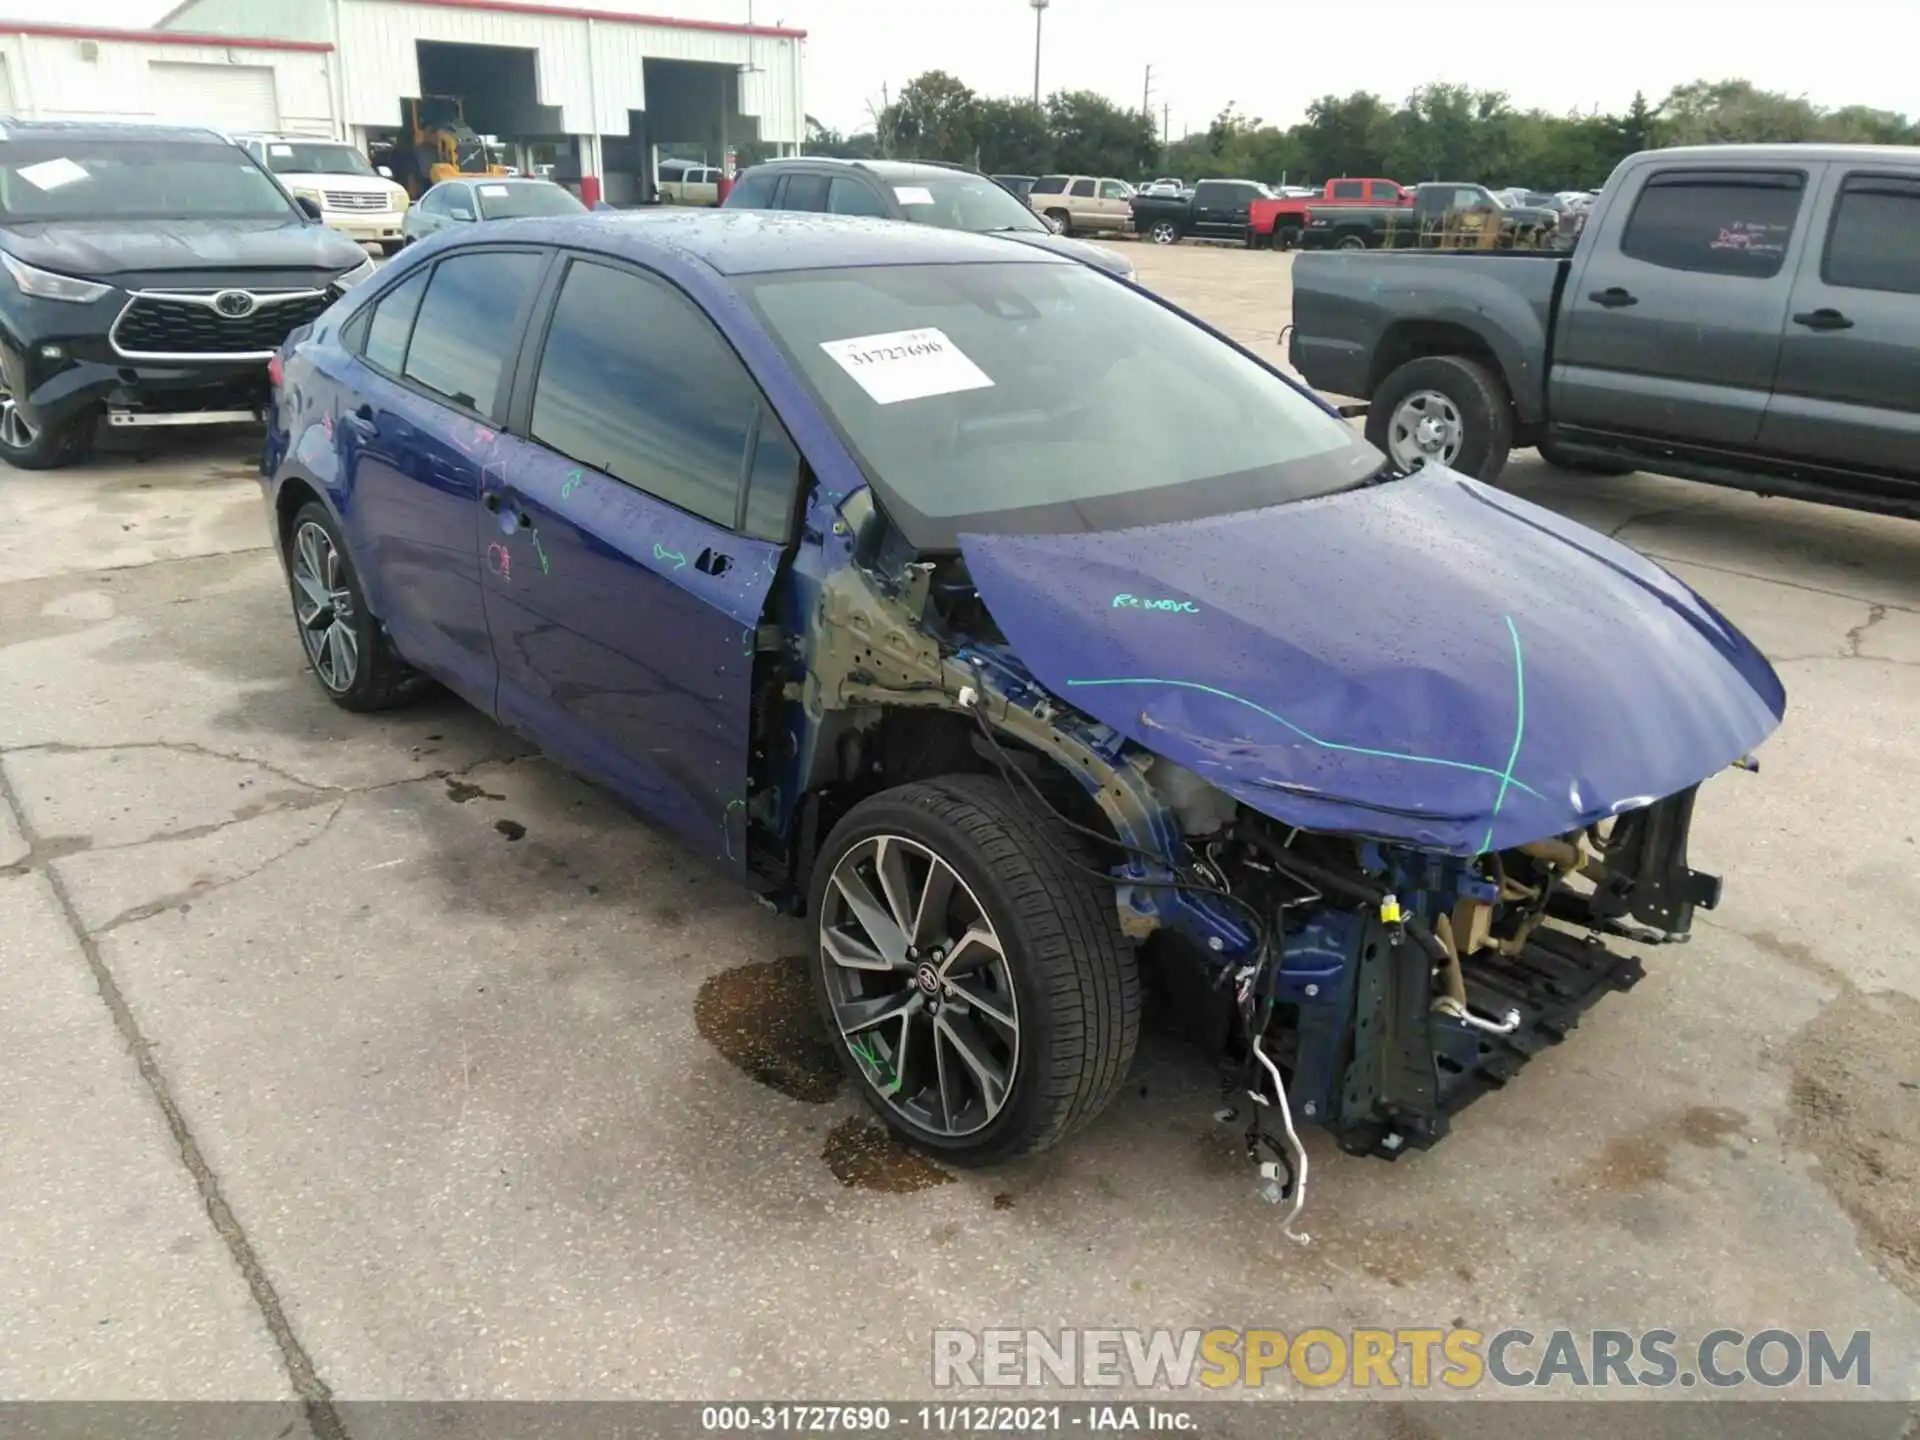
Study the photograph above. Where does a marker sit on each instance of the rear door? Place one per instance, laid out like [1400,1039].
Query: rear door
[1672,323]
[1212,206]
[1083,203]
[437,359]
[636,518]
[1848,390]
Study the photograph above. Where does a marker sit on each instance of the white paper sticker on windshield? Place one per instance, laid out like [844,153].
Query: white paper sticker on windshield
[913,194]
[906,365]
[280,149]
[51,174]
[493,192]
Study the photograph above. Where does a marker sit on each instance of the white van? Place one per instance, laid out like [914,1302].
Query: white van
[353,198]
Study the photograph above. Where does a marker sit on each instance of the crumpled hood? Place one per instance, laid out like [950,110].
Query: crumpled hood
[1428,660]
[100,249]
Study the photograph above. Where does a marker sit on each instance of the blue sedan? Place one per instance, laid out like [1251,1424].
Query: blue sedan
[1040,645]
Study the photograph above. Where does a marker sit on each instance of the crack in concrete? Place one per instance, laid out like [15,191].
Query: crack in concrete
[1660,514]
[315,1394]
[1775,580]
[141,565]
[1875,614]
[150,908]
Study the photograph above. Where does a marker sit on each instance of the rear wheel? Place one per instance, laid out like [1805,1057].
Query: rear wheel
[1443,410]
[1351,242]
[27,446]
[346,647]
[1059,221]
[1287,237]
[975,982]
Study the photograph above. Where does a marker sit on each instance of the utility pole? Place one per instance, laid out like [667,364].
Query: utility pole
[1166,125]
[1039,12]
[1146,97]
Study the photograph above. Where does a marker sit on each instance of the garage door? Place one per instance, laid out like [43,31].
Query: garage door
[228,97]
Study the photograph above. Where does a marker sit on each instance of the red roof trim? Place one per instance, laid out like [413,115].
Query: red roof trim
[517,7]
[155,37]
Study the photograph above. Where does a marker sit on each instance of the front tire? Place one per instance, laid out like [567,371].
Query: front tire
[975,982]
[26,446]
[1443,410]
[1164,232]
[348,651]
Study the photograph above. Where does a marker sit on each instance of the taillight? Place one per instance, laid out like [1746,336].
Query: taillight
[276,372]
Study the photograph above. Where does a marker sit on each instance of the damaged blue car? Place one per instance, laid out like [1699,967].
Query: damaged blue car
[1051,654]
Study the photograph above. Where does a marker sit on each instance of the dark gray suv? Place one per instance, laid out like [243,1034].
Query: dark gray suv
[919,191]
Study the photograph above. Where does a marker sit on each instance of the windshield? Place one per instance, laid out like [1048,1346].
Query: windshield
[1045,397]
[69,179]
[964,202]
[300,158]
[508,202]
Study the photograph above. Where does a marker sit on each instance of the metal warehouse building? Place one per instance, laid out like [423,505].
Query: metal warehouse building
[599,90]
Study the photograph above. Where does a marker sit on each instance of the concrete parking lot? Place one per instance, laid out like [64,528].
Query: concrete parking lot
[378,1058]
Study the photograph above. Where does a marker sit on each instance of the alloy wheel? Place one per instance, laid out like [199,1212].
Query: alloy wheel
[323,604]
[1164,233]
[1426,429]
[919,986]
[16,431]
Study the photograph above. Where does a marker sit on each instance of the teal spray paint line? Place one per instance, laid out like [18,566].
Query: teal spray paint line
[660,552]
[1519,730]
[1505,776]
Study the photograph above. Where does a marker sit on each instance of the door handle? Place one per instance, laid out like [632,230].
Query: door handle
[522,520]
[490,502]
[1613,298]
[1824,318]
[712,562]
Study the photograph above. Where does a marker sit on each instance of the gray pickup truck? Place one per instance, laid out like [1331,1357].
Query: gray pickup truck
[1744,315]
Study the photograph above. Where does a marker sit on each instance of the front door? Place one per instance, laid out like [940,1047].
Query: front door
[632,537]
[1673,322]
[1848,392]
[439,348]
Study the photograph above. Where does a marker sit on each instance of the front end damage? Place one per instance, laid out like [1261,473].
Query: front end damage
[1370,979]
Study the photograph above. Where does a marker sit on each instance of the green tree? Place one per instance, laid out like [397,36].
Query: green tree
[1012,137]
[934,119]
[1093,136]
[1346,135]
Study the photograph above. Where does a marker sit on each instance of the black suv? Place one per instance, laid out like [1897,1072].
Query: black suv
[925,192]
[151,272]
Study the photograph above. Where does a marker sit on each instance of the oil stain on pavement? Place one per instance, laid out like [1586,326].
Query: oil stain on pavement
[763,1018]
[1854,1105]
[863,1156]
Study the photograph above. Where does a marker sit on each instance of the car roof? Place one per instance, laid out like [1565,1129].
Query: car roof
[11,128]
[752,242]
[890,170]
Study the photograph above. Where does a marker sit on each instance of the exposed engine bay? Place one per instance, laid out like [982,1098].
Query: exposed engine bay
[1346,979]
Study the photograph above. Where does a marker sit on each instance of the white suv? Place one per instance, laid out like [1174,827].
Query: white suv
[353,198]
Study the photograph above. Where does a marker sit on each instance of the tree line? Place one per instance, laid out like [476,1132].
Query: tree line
[1440,132]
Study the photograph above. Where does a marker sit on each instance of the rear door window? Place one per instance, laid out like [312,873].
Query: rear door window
[1874,242]
[804,192]
[637,383]
[467,332]
[1083,189]
[1715,223]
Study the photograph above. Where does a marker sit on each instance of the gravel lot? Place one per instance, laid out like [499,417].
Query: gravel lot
[378,1058]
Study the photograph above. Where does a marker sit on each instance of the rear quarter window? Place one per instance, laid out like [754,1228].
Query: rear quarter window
[1715,222]
[1050,185]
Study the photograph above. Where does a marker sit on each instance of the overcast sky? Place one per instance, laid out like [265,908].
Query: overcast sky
[1273,56]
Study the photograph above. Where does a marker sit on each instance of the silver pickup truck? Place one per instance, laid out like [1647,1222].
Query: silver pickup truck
[1744,315]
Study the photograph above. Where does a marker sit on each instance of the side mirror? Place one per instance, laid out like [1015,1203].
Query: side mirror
[310,207]
[384,172]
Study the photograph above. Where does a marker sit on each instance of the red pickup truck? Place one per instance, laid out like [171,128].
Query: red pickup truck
[1280,223]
